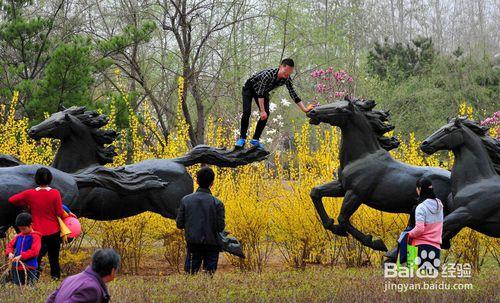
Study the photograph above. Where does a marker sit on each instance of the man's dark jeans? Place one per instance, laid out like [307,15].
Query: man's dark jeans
[201,253]
[248,96]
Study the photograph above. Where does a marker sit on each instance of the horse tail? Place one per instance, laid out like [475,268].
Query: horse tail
[221,156]
[9,161]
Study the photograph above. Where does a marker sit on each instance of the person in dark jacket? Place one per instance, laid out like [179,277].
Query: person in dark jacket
[24,247]
[201,215]
[89,285]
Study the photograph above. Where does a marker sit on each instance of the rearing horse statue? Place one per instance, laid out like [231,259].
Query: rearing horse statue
[368,174]
[475,177]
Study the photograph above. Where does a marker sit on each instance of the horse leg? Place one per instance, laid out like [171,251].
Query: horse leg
[453,223]
[330,189]
[350,204]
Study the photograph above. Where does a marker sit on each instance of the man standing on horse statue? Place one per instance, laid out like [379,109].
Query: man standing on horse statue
[257,87]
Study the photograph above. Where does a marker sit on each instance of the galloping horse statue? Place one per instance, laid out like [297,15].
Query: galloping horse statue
[156,185]
[367,173]
[115,193]
[475,180]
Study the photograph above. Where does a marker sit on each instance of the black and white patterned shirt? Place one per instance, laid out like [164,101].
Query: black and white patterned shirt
[266,80]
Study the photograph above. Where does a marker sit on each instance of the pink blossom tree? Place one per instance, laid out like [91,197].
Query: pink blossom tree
[494,123]
[332,85]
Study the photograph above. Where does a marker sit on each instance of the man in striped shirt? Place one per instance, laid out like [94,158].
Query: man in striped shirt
[257,88]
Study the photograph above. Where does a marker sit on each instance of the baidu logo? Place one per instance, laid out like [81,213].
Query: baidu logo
[427,268]
[424,266]
[427,265]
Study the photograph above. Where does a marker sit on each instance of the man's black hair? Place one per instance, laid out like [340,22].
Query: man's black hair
[43,176]
[288,62]
[205,177]
[23,219]
[104,260]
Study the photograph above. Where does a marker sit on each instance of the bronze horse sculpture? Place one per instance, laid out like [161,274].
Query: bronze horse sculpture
[475,180]
[112,194]
[156,185]
[368,174]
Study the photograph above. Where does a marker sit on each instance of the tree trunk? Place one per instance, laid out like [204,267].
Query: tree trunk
[200,110]
[185,110]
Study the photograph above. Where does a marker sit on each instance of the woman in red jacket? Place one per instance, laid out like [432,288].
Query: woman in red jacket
[45,205]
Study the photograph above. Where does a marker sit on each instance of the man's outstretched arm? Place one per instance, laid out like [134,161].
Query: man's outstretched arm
[296,98]
[303,107]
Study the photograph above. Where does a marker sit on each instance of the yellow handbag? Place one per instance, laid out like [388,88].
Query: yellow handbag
[64,230]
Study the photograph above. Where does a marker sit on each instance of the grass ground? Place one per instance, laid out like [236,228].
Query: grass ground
[315,284]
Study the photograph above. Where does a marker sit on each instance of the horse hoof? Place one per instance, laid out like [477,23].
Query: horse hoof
[338,230]
[379,245]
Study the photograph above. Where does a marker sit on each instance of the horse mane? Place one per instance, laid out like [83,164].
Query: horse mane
[95,121]
[491,144]
[379,121]
[118,179]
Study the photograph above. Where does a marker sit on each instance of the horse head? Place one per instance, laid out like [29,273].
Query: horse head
[448,137]
[336,113]
[58,125]
[83,142]
[356,112]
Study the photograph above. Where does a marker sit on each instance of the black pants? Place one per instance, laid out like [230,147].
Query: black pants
[51,244]
[249,95]
[201,253]
[19,277]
